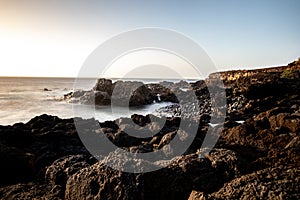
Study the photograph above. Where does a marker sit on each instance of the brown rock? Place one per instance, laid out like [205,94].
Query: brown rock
[270,183]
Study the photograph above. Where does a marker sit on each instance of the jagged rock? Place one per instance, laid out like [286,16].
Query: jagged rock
[270,183]
[166,139]
[102,182]
[196,195]
[130,93]
[226,163]
[294,143]
[285,121]
[123,93]
[61,169]
[104,85]
[140,119]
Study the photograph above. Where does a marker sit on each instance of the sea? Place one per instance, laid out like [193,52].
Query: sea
[22,98]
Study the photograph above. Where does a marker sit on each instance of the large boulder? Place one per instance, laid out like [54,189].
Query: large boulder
[131,93]
[175,181]
[58,173]
[61,169]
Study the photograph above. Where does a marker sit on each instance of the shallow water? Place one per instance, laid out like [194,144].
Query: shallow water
[24,98]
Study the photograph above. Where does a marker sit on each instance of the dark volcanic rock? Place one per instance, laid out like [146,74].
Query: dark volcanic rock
[124,93]
[29,191]
[270,183]
[285,121]
[140,119]
[61,169]
[130,93]
[104,85]
[43,139]
[16,165]
[191,172]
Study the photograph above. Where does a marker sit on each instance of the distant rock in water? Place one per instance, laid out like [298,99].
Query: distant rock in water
[46,89]
[122,93]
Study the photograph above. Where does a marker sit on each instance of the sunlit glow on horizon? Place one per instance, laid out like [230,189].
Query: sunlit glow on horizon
[151,64]
[54,38]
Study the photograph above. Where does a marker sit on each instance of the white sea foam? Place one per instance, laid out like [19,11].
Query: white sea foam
[24,98]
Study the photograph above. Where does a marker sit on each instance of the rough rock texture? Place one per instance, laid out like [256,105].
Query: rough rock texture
[59,172]
[191,172]
[255,157]
[270,183]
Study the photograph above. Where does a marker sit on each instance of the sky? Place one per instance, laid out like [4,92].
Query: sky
[54,38]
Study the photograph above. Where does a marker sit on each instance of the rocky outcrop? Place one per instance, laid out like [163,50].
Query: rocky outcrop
[125,93]
[61,169]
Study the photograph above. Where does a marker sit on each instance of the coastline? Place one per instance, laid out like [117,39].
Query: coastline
[45,157]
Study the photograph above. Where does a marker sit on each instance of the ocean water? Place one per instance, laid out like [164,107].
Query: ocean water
[24,98]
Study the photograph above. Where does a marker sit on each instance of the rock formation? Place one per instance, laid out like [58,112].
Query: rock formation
[256,156]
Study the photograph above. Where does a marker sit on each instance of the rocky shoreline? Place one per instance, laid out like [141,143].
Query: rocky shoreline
[256,159]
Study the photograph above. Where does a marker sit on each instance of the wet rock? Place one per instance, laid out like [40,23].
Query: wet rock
[140,119]
[46,90]
[43,121]
[131,93]
[123,93]
[78,93]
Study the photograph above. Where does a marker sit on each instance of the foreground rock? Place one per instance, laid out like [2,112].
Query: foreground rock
[270,183]
[101,182]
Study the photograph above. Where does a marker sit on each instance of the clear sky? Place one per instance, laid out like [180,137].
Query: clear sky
[53,38]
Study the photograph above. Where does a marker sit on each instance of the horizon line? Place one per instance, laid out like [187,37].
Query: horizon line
[221,70]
